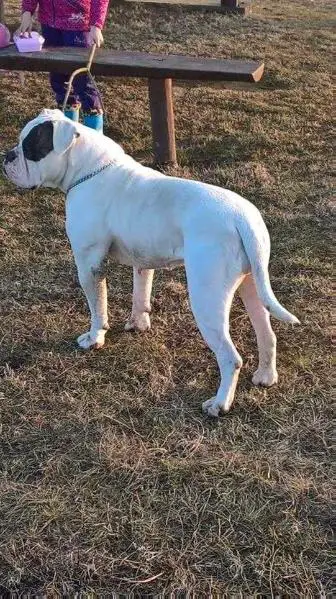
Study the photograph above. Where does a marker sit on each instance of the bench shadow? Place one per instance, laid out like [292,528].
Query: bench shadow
[226,150]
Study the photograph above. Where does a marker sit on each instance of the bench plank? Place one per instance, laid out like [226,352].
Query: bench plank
[133,64]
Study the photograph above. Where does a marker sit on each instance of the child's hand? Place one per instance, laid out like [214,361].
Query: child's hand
[26,24]
[95,36]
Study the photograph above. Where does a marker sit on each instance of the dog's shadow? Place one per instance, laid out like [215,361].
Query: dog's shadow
[25,355]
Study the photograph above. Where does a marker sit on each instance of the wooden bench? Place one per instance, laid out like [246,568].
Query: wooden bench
[239,7]
[159,69]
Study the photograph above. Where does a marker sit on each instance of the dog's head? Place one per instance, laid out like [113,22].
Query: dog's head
[41,156]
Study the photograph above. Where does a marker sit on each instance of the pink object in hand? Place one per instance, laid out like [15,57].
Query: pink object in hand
[4,36]
[33,43]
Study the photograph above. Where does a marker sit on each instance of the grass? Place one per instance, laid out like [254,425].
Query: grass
[111,478]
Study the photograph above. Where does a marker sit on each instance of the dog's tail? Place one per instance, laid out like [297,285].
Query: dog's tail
[256,242]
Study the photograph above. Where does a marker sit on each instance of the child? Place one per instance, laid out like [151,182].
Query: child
[71,23]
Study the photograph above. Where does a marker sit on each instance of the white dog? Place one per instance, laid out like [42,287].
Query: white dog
[116,207]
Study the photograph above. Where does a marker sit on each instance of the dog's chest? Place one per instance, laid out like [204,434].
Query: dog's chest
[144,255]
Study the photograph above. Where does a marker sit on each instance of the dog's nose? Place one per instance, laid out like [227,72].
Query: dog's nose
[10,156]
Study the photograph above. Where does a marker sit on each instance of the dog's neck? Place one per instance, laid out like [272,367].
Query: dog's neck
[90,159]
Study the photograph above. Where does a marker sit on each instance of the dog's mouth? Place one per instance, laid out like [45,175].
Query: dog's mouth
[6,175]
[10,173]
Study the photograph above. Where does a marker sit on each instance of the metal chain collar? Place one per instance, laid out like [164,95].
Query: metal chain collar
[89,176]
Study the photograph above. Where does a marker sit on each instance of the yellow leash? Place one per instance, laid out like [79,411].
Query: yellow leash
[86,69]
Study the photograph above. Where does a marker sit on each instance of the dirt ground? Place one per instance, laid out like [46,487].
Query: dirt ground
[111,479]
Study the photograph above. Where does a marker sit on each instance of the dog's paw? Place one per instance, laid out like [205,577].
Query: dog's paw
[265,377]
[211,408]
[140,322]
[91,340]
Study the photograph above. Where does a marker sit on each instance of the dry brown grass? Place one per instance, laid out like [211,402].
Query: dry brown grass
[110,475]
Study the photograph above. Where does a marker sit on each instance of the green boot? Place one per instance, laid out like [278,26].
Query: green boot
[72,112]
[94,120]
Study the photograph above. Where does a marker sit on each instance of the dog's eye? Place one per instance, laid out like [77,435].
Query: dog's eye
[39,142]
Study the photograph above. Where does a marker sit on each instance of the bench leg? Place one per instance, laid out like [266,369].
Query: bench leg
[162,114]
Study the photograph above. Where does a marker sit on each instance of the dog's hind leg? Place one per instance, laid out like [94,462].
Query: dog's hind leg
[141,305]
[266,374]
[212,280]
[92,279]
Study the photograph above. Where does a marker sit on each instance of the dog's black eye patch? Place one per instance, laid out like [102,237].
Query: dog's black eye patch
[39,142]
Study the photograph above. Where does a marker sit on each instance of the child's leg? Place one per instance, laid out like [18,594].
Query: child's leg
[54,37]
[87,93]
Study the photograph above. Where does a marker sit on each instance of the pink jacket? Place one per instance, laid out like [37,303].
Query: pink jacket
[69,15]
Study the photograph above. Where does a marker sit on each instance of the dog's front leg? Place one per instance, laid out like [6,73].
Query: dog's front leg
[141,307]
[93,282]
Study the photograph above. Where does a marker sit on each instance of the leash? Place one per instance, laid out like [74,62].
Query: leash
[73,75]
[77,72]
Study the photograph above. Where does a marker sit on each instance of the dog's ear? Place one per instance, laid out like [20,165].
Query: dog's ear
[65,134]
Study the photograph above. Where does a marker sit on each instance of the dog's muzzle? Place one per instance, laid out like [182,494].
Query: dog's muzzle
[10,157]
